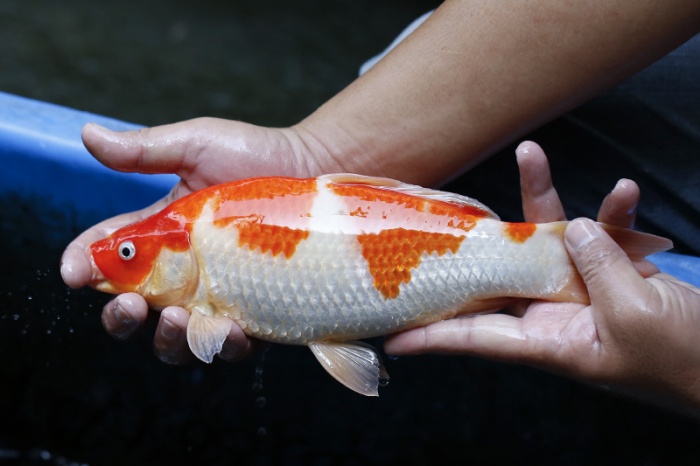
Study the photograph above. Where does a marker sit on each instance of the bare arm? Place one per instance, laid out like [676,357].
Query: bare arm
[476,75]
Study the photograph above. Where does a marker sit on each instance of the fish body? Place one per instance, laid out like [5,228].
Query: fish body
[325,261]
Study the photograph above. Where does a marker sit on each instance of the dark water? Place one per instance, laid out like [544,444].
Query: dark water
[69,394]
[269,62]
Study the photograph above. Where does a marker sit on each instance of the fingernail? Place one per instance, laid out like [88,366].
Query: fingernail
[123,317]
[581,232]
[168,329]
[126,325]
[622,184]
[524,147]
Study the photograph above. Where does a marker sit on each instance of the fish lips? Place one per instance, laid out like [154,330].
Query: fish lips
[98,280]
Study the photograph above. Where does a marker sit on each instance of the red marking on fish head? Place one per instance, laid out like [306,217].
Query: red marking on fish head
[519,232]
[130,258]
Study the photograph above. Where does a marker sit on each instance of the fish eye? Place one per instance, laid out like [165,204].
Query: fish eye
[127,250]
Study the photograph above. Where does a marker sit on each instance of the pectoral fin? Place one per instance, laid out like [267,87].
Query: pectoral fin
[206,333]
[354,364]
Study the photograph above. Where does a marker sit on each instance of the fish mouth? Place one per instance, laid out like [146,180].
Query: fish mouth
[105,287]
[98,281]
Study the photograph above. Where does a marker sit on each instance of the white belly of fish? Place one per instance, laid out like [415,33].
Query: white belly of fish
[325,290]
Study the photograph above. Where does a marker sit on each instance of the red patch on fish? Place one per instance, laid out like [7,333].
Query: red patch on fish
[519,232]
[398,209]
[265,188]
[373,194]
[392,254]
[284,200]
[445,208]
[270,238]
[252,204]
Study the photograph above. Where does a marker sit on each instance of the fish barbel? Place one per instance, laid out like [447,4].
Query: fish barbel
[326,261]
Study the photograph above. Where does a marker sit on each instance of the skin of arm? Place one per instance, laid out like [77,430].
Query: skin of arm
[477,75]
[472,78]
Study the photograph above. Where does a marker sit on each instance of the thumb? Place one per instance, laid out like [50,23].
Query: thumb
[161,149]
[612,280]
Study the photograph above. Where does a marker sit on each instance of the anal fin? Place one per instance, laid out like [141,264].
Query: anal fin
[354,364]
[206,333]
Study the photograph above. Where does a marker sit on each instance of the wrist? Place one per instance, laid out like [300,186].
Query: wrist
[329,148]
[356,147]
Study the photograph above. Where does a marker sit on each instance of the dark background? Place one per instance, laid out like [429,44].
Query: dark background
[268,62]
[69,394]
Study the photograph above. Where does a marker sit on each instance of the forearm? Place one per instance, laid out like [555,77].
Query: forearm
[478,74]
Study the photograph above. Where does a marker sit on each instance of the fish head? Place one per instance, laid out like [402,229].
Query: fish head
[153,258]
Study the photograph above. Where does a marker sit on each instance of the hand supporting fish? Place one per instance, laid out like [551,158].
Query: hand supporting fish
[325,261]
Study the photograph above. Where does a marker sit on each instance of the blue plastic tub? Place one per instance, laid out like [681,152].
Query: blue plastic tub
[43,159]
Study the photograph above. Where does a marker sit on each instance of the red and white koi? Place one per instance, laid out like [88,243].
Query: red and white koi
[329,260]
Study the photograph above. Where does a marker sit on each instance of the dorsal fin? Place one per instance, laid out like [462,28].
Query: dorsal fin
[409,189]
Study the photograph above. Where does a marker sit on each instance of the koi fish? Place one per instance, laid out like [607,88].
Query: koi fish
[326,261]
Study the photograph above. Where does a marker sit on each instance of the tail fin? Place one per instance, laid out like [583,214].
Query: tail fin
[635,244]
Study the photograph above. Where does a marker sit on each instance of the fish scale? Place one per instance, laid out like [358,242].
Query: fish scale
[270,290]
[322,262]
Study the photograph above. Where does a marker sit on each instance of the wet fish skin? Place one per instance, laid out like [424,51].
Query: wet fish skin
[325,261]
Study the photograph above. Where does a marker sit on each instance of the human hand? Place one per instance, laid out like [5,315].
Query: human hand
[638,335]
[202,152]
